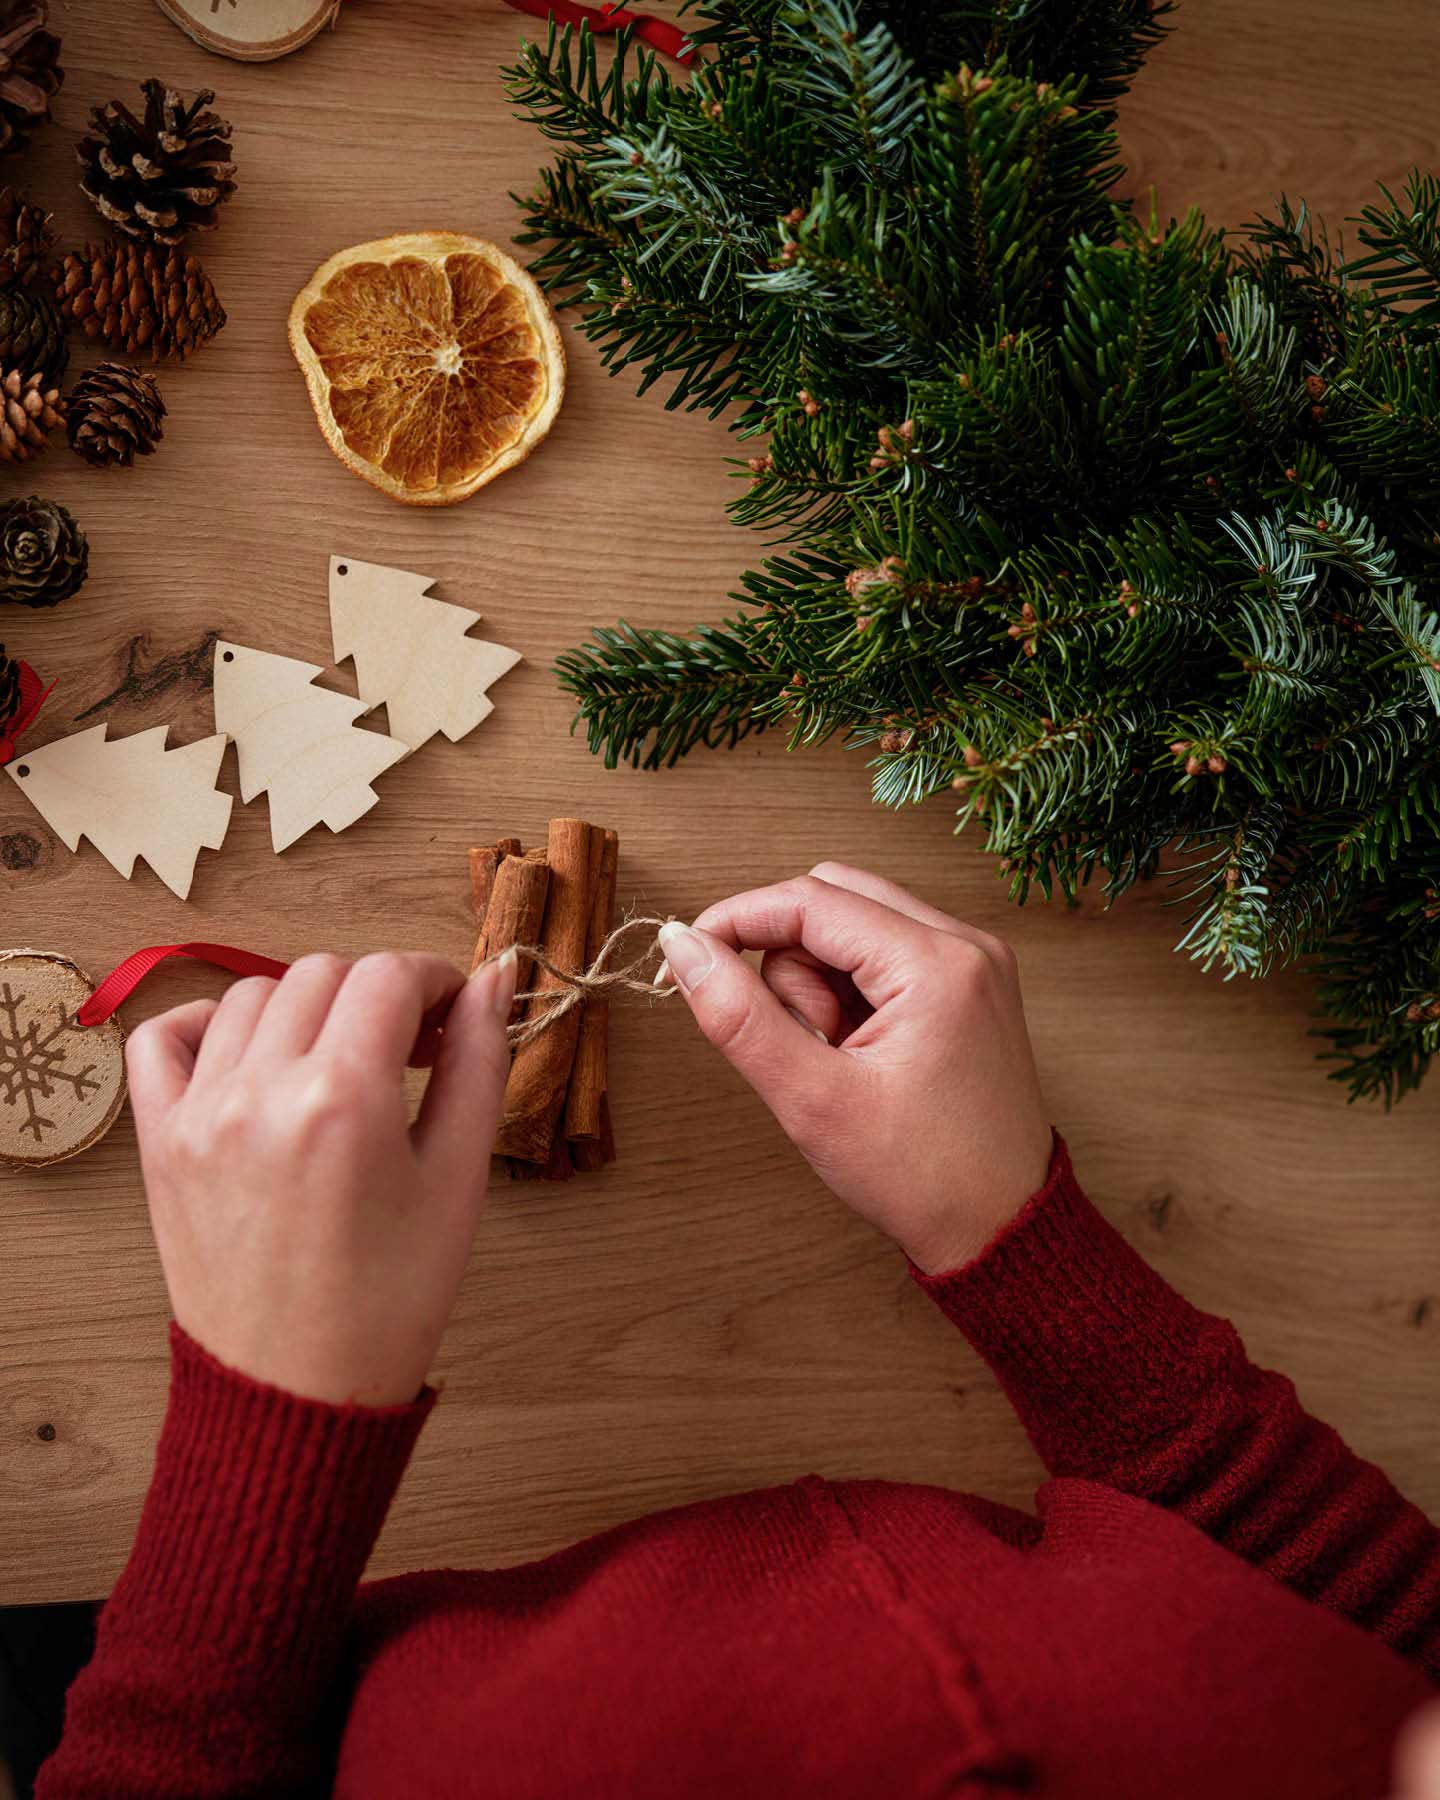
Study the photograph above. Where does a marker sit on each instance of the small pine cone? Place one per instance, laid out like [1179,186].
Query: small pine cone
[9,688]
[113,415]
[32,333]
[29,73]
[29,412]
[25,237]
[161,175]
[44,556]
[139,299]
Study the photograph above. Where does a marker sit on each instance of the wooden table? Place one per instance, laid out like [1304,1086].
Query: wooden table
[703,1318]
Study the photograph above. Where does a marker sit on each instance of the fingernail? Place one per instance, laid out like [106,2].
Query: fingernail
[663,977]
[800,1019]
[688,955]
[499,977]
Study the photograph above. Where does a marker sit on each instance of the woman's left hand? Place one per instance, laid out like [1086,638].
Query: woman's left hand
[310,1236]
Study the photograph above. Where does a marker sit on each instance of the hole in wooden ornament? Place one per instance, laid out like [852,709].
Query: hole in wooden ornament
[23,770]
[342,568]
[45,1433]
[227,656]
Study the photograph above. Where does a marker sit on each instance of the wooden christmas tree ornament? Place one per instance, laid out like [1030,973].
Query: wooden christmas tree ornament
[297,743]
[61,1087]
[411,653]
[251,30]
[131,797]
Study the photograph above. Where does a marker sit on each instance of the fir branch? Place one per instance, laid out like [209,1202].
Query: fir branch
[648,697]
[1402,239]
[863,87]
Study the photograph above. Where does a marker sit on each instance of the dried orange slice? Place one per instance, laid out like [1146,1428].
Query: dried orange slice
[433,362]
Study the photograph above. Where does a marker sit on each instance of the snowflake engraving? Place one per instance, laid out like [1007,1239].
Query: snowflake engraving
[32,1061]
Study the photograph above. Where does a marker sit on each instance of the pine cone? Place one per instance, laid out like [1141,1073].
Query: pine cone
[29,73]
[44,557]
[139,299]
[9,688]
[29,412]
[25,237]
[113,415]
[32,333]
[157,177]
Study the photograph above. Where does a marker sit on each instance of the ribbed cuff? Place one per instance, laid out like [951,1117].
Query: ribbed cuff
[1100,1357]
[261,1515]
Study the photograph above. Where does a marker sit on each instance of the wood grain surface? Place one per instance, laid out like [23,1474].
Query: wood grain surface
[701,1318]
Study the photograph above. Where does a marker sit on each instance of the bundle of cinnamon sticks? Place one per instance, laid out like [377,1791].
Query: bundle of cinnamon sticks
[557,1104]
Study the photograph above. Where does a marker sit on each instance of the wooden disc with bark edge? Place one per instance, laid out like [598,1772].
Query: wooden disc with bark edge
[254,30]
[61,1085]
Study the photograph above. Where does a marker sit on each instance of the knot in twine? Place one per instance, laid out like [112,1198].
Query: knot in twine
[551,1004]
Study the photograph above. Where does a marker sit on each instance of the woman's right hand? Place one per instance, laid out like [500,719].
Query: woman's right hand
[889,1041]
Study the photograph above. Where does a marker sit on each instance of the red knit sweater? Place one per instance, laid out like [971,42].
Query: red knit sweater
[1176,1623]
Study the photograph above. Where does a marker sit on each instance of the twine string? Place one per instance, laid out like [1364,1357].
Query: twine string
[580,985]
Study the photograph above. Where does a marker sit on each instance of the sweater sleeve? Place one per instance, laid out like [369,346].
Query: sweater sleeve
[217,1651]
[1119,1380]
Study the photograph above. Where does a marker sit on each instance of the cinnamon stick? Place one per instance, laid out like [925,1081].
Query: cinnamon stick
[485,859]
[540,1073]
[592,1154]
[590,1075]
[559,1167]
[515,912]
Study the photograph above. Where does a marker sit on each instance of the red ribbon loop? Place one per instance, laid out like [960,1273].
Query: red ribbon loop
[659,34]
[123,980]
[125,977]
[32,698]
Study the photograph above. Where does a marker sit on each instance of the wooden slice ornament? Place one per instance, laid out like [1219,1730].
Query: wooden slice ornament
[251,30]
[61,1085]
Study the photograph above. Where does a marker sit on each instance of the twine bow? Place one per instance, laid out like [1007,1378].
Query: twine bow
[580,984]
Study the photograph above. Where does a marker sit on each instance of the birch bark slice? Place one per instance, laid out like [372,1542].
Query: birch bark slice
[61,1085]
[251,30]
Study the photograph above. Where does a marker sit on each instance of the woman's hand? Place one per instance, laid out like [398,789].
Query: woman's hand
[1417,1756]
[310,1236]
[889,1041]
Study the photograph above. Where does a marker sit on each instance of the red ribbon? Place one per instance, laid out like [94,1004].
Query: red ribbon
[122,981]
[125,977]
[659,34]
[32,698]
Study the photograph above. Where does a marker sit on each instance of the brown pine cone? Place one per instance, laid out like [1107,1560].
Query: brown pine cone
[29,72]
[113,415]
[25,237]
[32,333]
[158,176]
[137,298]
[29,411]
[44,555]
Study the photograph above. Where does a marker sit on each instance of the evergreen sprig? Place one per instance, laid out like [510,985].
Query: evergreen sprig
[1117,533]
